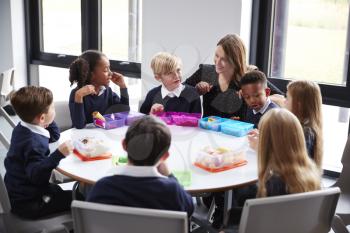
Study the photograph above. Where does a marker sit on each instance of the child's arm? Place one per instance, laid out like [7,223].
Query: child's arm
[147,104]
[77,112]
[118,79]
[38,167]
[196,106]
[54,132]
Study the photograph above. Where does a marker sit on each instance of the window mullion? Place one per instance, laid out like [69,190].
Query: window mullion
[91,21]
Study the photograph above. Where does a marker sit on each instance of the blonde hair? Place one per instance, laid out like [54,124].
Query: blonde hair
[235,52]
[282,151]
[307,106]
[165,63]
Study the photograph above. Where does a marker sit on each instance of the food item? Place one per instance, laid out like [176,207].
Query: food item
[97,115]
[219,159]
[91,147]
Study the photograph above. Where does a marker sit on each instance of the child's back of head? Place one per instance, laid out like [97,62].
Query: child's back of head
[146,141]
[282,151]
[31,101]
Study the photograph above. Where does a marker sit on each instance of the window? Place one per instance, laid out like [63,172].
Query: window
[297,39]
[61,36]
[59,30]
[121,30]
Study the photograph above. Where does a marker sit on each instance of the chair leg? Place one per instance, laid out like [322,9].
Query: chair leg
[338,225]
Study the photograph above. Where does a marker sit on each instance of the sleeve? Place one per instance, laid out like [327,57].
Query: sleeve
[309,141]
[124,97]
[38,167]
[274,89]
[147,104]
[184,198]
[195,78]
[77,112]
[54,132]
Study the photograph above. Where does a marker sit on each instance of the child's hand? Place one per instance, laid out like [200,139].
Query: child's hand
[163,169]
[156,108]
[280,100]
[253,139]
[203,87]
[66,148]
[84,91]
[118,79]
[236,118]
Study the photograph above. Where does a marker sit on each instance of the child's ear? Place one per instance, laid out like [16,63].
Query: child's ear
[124,144]
[158,77]
[165,156]
[267,91]
[40,119]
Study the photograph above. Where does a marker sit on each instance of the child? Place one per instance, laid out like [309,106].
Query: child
[256,94]
[283,164]
[305,101]
[91,71]
[28,163]
[171,95]
[145,181]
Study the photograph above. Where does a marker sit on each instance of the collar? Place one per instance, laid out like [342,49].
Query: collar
[136,171]
[177,92]
[36,129]
[264,108]
[102,90]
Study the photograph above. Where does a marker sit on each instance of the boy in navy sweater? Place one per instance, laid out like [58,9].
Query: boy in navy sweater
[28,162]
[145,181]
[256,94]
[172,95]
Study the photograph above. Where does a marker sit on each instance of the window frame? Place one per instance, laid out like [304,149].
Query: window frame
[263,13]
[261,49]
[91,36]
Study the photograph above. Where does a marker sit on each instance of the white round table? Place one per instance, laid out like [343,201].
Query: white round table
[185,144]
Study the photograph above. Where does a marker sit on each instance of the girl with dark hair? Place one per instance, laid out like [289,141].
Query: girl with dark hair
[91,72]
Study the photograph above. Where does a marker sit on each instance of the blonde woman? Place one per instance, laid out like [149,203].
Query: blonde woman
[220,83]
[283,163]
[305,101]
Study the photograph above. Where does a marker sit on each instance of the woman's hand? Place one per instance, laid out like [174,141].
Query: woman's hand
[253,139]
[156,108]
[84,91]
[118,79]
[203,87]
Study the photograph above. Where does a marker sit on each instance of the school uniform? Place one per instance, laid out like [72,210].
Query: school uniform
[28,167]
[141,186]
[310,140]
[253,116]
[183,99]
[81,113]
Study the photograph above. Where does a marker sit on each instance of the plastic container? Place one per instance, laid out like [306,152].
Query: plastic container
[236,128]
[166,117]
[112,121]
[130,117]
[211,123]
[180,118]
[219,159]
[90,149]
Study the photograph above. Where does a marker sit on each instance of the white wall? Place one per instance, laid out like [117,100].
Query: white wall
[19,42]
[189,29]
[6,58]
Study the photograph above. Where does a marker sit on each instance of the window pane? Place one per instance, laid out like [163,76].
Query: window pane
[62,26]
[335,134]
[121,29]
[309,40]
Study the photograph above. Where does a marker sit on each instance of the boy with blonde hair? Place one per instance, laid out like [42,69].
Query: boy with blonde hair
[171,95]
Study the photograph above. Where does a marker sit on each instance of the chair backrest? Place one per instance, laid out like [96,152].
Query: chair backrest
[5,206]
[6,84]
[343,181]
[63,119]
[92,217]
[310,212]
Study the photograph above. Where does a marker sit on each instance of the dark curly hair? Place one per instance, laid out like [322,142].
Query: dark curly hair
[81,68]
